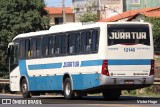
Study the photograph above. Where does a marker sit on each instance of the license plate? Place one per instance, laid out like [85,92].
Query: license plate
[129,82]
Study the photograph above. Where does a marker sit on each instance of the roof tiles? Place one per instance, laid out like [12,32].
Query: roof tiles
[58,10]
[150,12]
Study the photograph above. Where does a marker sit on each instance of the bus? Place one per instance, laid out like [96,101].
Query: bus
[77,59]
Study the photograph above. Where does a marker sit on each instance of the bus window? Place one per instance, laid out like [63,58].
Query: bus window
[58,45]
[94,42]
[86,42]
[38,47]
[45,46]
[71,40]
[51,45]
[77,42]
[13,56]
[22,49]
[74,43]
[128,34]
[27,48]
[64,44]
[33,48]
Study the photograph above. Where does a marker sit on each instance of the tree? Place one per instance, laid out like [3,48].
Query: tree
[90,15]
[19,16]
[156,31]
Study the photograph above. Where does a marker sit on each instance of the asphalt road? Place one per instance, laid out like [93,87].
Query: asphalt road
[89,101]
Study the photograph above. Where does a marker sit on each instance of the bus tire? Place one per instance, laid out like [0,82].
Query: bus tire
[68,92]
[111,94]
[24,89]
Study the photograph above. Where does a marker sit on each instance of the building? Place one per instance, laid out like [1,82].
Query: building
[139,4]
[110,8]
[56,16]
[134,15]
[103,8]
[82,6]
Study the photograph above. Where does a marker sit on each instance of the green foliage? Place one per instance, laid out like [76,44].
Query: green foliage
[89,17]
[156,30]
[132,92]
[19,16]
[153,89]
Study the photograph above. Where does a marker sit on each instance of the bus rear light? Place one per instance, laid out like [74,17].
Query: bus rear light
[105,68]
[152,68]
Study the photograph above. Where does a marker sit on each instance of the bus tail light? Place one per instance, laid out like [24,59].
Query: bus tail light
[105,68]
[152,68]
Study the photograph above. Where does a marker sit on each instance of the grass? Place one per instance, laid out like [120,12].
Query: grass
[144,92]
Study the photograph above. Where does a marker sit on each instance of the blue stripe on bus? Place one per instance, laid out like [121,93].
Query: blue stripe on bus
[91,63]
[117,62]
[130,62]
[45,66]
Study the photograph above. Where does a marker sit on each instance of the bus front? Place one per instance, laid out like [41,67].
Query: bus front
[130,56]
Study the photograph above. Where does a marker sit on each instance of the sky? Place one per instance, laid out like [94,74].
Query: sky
[57,3]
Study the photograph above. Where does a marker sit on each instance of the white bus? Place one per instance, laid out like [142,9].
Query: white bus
[77,59]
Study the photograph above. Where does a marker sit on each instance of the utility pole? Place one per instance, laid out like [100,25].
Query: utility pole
[99,10]
[63,12]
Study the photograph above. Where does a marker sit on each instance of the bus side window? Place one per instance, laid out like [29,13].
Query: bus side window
[27,48]
[33,48]
[86,42]
[95,41]
[83,42]
[38,47]
[45,46]
[51,45]
[22,49]
[15,54]
[71,39]
[64,44]
[58,44]
[74,43]
[77,43]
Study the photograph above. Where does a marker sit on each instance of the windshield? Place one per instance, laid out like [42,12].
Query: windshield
[128,34]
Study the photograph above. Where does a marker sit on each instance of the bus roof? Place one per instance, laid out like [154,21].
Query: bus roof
[71,27]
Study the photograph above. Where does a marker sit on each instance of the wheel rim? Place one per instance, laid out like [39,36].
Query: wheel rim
[24,88]
[68,89]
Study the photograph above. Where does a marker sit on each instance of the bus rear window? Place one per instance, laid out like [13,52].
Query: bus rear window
[128,34]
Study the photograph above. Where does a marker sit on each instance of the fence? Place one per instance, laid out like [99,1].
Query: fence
[4,81]
[157,81]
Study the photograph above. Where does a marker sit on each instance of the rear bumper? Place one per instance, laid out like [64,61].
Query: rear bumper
[111,80]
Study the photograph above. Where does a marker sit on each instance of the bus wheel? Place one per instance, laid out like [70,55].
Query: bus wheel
[24,89]
[68,92]
[111,94]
